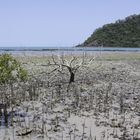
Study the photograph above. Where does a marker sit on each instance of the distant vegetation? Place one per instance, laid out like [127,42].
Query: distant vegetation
[122,33]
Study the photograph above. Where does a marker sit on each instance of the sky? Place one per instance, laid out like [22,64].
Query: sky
[58,22]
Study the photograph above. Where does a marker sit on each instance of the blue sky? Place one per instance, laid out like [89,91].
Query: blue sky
[58,22]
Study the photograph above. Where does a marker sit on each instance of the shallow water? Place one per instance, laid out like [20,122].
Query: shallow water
[68,49]
[37,51]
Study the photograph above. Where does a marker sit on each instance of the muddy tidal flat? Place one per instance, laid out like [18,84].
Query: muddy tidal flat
[101,102]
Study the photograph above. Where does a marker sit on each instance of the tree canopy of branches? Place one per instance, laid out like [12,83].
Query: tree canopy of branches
[71,63]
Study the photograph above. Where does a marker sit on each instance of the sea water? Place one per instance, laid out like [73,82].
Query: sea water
[58,50]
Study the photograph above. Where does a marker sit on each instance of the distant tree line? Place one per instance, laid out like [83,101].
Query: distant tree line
[122,33]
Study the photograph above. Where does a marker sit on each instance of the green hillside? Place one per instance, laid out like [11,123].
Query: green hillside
[122,33]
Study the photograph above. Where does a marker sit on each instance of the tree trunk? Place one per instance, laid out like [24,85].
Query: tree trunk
[72,76]
[12,103]
[5,115]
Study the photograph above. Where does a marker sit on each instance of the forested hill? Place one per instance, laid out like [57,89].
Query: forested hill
[122,33]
